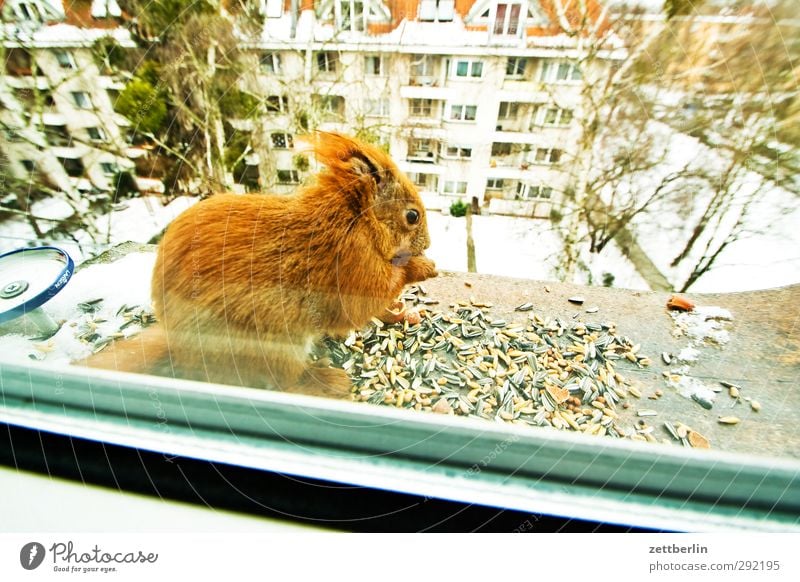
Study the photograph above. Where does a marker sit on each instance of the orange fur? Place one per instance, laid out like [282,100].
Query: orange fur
[243,284]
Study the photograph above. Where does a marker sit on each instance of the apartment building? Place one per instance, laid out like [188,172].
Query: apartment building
[58,126]
[476,99]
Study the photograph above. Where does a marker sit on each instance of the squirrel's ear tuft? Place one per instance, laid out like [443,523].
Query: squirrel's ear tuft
[341,153]
[364,166]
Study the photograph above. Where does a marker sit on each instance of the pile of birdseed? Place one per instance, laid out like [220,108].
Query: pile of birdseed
[540,371]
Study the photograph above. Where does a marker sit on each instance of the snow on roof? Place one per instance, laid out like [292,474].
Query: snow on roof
[67,35]
[52,208]
[409,36]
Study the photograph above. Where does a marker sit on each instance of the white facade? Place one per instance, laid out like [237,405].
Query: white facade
[468,113]
[57,119]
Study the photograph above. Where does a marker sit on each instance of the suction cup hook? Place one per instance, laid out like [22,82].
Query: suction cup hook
[28,279]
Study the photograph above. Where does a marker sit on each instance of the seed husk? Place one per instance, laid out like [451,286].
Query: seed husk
[729,420]
[698,441]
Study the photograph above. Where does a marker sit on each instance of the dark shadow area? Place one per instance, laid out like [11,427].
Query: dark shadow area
[262,493]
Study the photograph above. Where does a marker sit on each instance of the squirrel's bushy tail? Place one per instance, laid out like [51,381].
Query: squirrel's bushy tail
[143,353]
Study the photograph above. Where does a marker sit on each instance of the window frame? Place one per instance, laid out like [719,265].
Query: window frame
[527,191]
[383,109]
[326,62]
[276,104]
[286,177]
[463,115]
[113,168]
[550,72]
[77,102]
[395,450]
[68,63]
[514,63]
[349,20]
[547,155]
[457,152]
[288,140]
[509,112]
[502,25]
[380,60]
[495,183]
[418,105]
[470,65]
[457,185]
[270,62]
[102,136]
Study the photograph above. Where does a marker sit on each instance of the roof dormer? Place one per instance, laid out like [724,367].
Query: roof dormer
[506,18]
[32,12]
[354,15]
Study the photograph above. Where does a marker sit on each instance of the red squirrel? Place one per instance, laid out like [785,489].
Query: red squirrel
[244,284]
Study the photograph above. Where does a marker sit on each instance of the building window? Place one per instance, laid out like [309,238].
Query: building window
[12,134]
[331,106]
[248,176]
[436,10]
[453,188]
[19,62]
[465,69]
[65,59]
[421,71]
[96,134]
[528,191]
[553,116]
[463,112]
[420,107]
[422,150]
[425,182]
[28,11]
[282,140]
[81,99]
[327,62]
[277,104]
[108,168]
[57,135]
[376,107]
[515,66]
[494,184]
[547,155]
[458,152]
[508,110]
[73,167]
[559,72]
[373,65]
[271,63]
[506,21]
[350,15]
[288,177]
[501,149]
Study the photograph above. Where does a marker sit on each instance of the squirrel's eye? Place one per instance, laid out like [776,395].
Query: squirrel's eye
[412,216]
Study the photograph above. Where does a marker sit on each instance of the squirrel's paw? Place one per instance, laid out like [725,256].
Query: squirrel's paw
[326,382]
[420,268]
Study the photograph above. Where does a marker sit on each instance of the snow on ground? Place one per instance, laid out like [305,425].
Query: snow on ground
[52,208]
[125,282]
[524,248]
[137,220]
[766,256]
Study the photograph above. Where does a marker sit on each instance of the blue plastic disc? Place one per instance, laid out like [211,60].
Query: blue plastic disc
[29,278]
